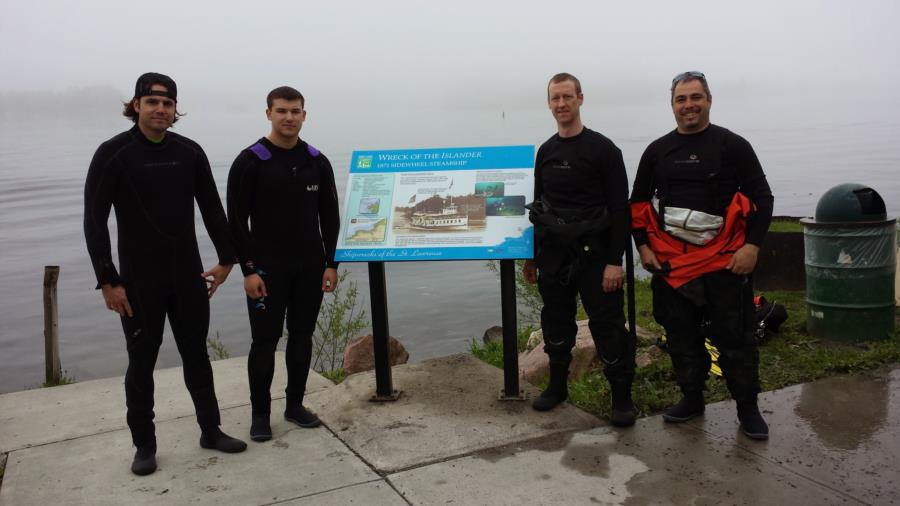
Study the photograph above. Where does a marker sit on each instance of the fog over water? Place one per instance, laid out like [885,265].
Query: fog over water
[812,85]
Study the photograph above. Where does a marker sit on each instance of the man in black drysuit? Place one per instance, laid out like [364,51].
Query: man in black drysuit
[152,177]
[581,185]
[701,167]
[285,188]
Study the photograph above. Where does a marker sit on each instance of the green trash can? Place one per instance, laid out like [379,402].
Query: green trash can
[850,258]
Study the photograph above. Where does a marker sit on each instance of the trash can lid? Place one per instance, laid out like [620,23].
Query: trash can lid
[850,202]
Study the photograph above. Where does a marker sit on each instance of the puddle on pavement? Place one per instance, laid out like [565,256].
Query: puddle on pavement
[552,443]
[843,412]
[589,459]
[589,456]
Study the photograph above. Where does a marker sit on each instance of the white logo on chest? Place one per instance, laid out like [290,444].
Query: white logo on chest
[312,187]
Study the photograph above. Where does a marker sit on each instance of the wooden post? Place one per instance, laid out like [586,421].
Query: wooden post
[51,325]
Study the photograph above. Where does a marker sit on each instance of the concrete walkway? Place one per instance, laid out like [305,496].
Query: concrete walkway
[449,440]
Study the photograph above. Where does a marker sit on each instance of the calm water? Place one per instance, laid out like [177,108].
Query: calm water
[435,308]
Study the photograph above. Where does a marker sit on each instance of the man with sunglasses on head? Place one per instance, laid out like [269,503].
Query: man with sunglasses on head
[283,210]
[152,177]
[581,222]
[701,206]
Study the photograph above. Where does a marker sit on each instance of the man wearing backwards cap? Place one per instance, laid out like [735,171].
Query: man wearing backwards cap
[152,177]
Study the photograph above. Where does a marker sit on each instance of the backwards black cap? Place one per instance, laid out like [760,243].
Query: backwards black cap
[144,84]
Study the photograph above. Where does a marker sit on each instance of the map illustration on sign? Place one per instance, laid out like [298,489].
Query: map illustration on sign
[369,205]
[438,204]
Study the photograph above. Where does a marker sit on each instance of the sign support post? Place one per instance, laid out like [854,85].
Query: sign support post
[511,391]
[384,386]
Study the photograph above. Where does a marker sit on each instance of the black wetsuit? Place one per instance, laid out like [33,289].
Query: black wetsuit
[581,173]
[153,187]
[702,172]
[290,200]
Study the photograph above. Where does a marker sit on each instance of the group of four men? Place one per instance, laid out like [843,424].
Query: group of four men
[282,227]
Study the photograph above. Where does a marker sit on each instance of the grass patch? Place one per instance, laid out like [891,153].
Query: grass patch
[64,379]
[492,352]
[643,302]
[336,376]
[216,348]
[340,320]
[787,358]
[785,226]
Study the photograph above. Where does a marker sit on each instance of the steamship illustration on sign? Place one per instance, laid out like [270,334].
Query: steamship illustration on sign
[448,218]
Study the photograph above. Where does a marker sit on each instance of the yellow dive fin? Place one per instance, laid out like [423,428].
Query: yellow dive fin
[713,354]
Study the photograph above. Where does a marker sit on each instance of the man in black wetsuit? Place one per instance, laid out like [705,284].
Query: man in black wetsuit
[285,189]
[152,177]
[580,182]
[704,174]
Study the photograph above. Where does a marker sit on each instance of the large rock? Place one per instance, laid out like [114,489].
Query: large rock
[359,355]
[493,334]
[534,365]
[644,336]
[648,356]
[535,339]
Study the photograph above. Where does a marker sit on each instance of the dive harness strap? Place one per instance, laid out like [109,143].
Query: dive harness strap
[564,236]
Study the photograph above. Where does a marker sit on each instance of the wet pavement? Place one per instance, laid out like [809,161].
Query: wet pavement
[842,432]
[448,407]
[653,463]
[448,440]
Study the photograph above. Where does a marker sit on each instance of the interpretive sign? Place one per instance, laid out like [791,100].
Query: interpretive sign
[438,204]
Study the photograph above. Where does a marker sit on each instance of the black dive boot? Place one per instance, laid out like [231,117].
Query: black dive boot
[557,391]
[623,411]
[301,416]
[144,462]
[752,423]
[260,430]
[690,406]
[214,439]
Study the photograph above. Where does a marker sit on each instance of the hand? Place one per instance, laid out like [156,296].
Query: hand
[744,259]
[529,271]
[215,277]
[255,286]
[329,279]
[648,258]
[612,278]
[116,299]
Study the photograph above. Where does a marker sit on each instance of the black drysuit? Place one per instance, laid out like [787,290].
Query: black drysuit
[152,187]
[584,173]
[702,172]
[290,200]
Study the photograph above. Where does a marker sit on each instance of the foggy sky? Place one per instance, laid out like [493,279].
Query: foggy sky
[377,55]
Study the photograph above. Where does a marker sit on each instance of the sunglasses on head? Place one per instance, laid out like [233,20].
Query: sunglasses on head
[696,74]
